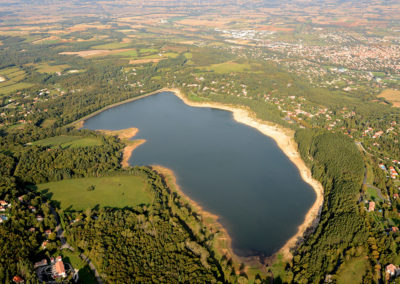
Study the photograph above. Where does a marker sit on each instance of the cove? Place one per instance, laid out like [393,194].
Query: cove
[230,169]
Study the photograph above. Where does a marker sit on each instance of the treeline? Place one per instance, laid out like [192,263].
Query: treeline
[337,163]
[38,164]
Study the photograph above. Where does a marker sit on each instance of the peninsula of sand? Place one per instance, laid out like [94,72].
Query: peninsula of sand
[283,137]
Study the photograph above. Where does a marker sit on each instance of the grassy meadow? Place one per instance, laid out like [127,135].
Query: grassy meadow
[113,191]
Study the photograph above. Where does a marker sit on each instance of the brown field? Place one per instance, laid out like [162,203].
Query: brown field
[392,96]
[220,23]
[274,29]
[84,27]
[45,39]
[142,61]
[95,52]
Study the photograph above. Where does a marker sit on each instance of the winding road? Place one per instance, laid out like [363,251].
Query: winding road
[65,245]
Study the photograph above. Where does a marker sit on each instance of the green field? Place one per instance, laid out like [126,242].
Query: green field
[148,50]
[13,76]
[131,53]
[111,45]
[68,141]
[228,67]
[46,68]
[373,195]
[114,191]
[353,271]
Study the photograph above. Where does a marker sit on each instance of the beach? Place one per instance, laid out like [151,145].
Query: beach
[125,135]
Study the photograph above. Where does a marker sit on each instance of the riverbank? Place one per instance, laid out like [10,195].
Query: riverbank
[285,141]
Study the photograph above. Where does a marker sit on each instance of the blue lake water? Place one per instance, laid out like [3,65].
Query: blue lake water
[230,169]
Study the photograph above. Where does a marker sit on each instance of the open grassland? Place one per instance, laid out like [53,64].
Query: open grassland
[392,96]
[111,45]
[353,271]
[114,191]
[130,53]
[228,67]
[68,141]
[46,68]
[11,80]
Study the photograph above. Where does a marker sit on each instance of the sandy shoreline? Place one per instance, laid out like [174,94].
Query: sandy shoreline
[125,135]
[283,137]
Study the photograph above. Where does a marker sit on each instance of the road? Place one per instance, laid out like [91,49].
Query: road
[378,190]
[65,245]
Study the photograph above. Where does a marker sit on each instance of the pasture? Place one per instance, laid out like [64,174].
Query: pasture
[112,191]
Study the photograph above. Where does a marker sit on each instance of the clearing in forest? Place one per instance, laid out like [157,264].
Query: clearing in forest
[113,191]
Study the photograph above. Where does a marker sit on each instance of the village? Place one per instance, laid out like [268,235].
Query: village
[52,268]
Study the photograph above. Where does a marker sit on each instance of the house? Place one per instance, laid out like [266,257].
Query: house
[32,229]
[40,263]
[394,229]
[391,269]
[44,244]
[371,206]
[47,232]
[18,279]
[58,268]
[32,208]
[39,218]
[2,209]
[3,218]
[396,195]
[21,198]
[3,203]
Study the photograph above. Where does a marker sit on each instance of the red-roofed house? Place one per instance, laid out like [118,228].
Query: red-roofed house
[44,244]
[371,206]
[391,269]
[58,268]
[18,279]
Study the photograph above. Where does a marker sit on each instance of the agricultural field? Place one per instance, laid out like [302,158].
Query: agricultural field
[228,67]
[47,68]
[83,193]
[111,45]
[392,96]
[64,142]
[10,80]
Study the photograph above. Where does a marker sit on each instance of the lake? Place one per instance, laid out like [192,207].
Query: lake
[230,169]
